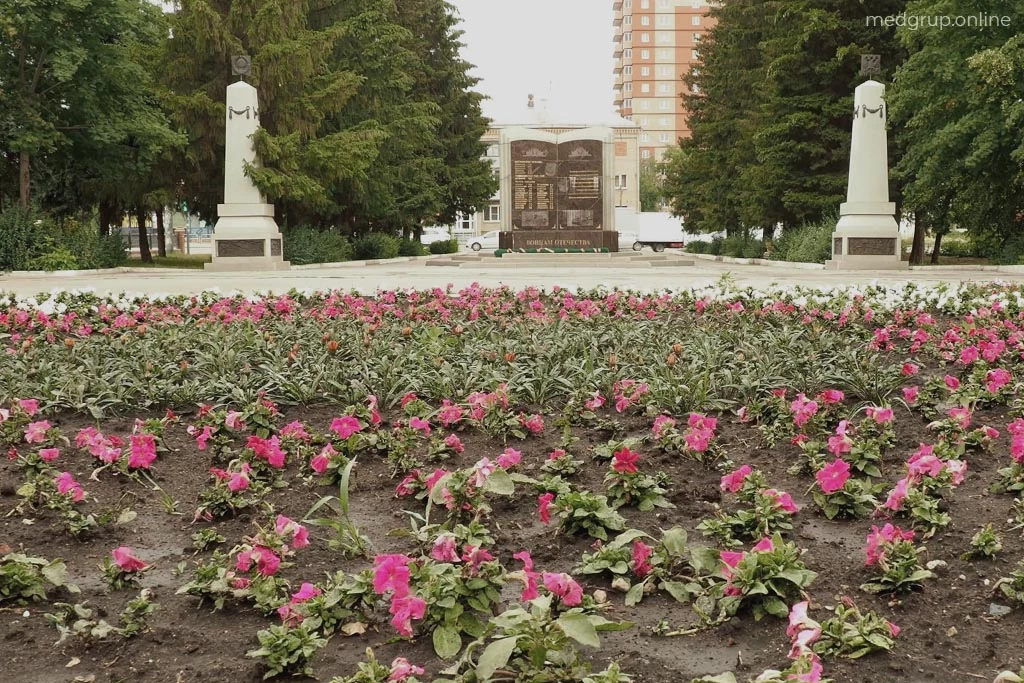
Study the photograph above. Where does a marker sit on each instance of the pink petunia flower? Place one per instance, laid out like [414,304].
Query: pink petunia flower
[641,553]
[233,421]
[910,394]
[765,545]
[833,476]
[530,577]
[509,458]
[565,587]
[624,461]
[127,562]
[36,431]
[544,506]
[453,442]
[401,669]
[66,484]
[49,454]
[783,500]
[403,610]
[345,426]
[420,425]
[445,549]
[142,451]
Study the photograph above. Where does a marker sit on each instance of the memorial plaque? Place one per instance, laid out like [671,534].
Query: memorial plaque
[871,246]
[557,186]
[534,174]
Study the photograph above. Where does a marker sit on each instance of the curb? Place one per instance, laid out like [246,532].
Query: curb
[767,263]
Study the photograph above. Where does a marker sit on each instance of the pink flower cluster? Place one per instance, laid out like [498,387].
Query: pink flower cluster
[450,413]
[803,410]
[104,449]
[480,402]
[391,574]
[804,632]
[924,463]
[627,392]
[533,423]
[561,585]
[141,450]
[833,476]
[1016,429]
[880,540]
[701,432]
[996,380]
[291,617]
[36,431]
[237,481]
[345,426]
[624,461]
[731,559]
[66,485]
[841,442]
[268,450]
[733,481]
[661,423]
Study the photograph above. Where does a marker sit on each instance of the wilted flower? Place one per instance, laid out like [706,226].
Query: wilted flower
[126,561]
[733,481]
[565,587]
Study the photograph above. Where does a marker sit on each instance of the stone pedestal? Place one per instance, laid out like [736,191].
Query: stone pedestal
[867,236]
[246,236]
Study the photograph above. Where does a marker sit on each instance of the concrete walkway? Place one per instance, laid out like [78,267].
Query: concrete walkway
[392,275]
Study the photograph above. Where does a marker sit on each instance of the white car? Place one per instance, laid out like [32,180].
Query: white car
[431,235]
[488,240]
[628,240]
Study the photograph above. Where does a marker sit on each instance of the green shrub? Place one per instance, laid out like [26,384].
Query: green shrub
[412,248]
[753,249]
[445,247]
[1011,252]
[58,259]
[715,246]
[809,243]
[376,245]
[304,245]
[92,250]
[697,247]
[18,235]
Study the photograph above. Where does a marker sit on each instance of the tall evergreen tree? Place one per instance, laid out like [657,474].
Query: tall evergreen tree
[958,100]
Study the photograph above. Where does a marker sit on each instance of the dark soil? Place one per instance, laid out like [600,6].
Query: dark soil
[947,633]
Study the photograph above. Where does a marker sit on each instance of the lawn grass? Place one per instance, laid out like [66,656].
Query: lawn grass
[188,261]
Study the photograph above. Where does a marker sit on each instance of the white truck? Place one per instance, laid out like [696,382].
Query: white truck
[653,229]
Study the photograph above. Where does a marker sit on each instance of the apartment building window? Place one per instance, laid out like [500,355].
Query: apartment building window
[664,137]
[663,4]
[466,222]
[645,87]
[627,103]
[492,150]
[663,121]
[665,89]
[620,182]
[645,20]
[663,105]
[642,121]
[695,20]
[696,37]
[664,37]
[645,4]
[628,4]
[628,20]
[645,104]
[645,154]
[628,53]
[665,71]
[627,71]
[664,54]
[629,87]
[664,20]
[645,137]
[695,54]
[696,4]
[645,71]
[645,37]
[627,37]
[645,54]
[695,88]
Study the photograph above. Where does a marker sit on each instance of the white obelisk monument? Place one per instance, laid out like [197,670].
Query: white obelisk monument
[246,236]
[867,236]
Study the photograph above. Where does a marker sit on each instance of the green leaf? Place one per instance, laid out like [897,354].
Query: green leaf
[447,642]
[494,657]
[635,594]
[56,572]
[578,627]
[677,590]
[499,483]
[674,541]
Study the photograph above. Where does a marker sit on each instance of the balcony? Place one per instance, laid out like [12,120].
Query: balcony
[618,51]
[617,21]
[617,6]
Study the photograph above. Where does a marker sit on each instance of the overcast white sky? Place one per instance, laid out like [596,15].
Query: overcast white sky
[539,46]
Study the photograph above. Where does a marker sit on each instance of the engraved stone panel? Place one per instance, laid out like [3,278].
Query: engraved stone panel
[871,246]
[534,174]
[275,247]
[837,246]
[580,169]
[239,248]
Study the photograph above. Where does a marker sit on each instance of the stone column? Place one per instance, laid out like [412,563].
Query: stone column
[867,236]
[246,236]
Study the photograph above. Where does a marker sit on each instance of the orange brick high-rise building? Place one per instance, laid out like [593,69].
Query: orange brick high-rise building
[657,42]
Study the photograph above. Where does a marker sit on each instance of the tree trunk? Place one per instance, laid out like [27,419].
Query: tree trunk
[161,237]
[24,176]
[144,253]
[935,249]
[107,213]
[917,251]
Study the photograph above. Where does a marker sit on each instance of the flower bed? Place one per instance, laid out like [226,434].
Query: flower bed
[498,485]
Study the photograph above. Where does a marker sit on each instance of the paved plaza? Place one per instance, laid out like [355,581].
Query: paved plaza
[402,274]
